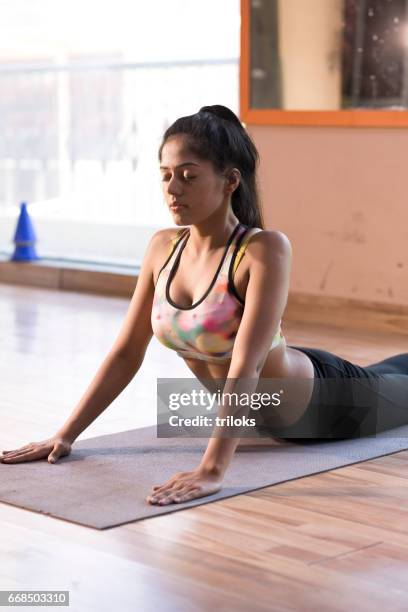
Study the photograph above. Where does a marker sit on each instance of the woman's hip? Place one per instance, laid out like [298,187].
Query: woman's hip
[349,400]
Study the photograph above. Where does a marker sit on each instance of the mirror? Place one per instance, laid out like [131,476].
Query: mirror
[328,54]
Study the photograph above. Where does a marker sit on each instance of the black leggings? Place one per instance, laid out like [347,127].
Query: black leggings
[349,400]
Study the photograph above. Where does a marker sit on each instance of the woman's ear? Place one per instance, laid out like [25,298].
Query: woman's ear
[233,179]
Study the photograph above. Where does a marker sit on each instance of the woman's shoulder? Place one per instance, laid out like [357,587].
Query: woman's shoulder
[161,246]
[272,241]
[170,231]
[167,235]
[163,241]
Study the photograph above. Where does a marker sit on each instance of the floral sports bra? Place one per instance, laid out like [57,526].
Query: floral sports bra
[205,330]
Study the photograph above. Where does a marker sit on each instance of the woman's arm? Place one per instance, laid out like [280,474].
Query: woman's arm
[118,368]
[270,255]
[128,351]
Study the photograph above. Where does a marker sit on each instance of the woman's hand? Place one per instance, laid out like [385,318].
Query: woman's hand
[53,448]
[185,486]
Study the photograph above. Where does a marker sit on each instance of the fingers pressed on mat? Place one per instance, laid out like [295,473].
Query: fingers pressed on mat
[183,491]
[186,496]
[16,450]
[164,487]
[20,456]
[174,494]
[12,457]
[19,452]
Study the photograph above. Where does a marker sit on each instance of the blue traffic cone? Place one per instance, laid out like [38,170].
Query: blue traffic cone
[24,237]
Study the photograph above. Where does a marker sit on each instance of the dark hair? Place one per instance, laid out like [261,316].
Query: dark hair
[216,134]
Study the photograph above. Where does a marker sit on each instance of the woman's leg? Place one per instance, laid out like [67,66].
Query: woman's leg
[397,364]
[392,391]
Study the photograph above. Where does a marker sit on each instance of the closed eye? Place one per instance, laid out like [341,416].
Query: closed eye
[187,178]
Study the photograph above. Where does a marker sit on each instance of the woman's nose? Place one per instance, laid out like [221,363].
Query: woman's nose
[173,187]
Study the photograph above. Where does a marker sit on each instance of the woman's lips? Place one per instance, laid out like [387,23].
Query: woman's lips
[176,206]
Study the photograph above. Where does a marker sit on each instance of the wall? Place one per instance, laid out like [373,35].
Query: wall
[340,195]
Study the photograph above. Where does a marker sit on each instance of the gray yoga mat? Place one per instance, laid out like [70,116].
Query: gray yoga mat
[105,480]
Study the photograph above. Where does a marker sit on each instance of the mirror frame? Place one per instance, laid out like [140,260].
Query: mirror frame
[349,118]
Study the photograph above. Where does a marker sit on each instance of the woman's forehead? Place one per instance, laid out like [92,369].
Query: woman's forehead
[177,146]
[177,152]
[182,158]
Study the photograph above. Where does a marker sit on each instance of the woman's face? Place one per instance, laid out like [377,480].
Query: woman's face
[191,182]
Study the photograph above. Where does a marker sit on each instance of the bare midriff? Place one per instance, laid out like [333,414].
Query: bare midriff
[282,362]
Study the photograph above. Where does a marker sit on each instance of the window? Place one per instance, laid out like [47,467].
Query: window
[83,111]
[349,55]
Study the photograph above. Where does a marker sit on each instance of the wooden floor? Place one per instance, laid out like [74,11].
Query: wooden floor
[332,541]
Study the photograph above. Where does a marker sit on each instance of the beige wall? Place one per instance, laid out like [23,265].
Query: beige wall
[341,196]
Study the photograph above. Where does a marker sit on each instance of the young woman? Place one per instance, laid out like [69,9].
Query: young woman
[215,291]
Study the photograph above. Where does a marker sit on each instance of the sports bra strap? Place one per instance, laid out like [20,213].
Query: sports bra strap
[175,239]
[240,253]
